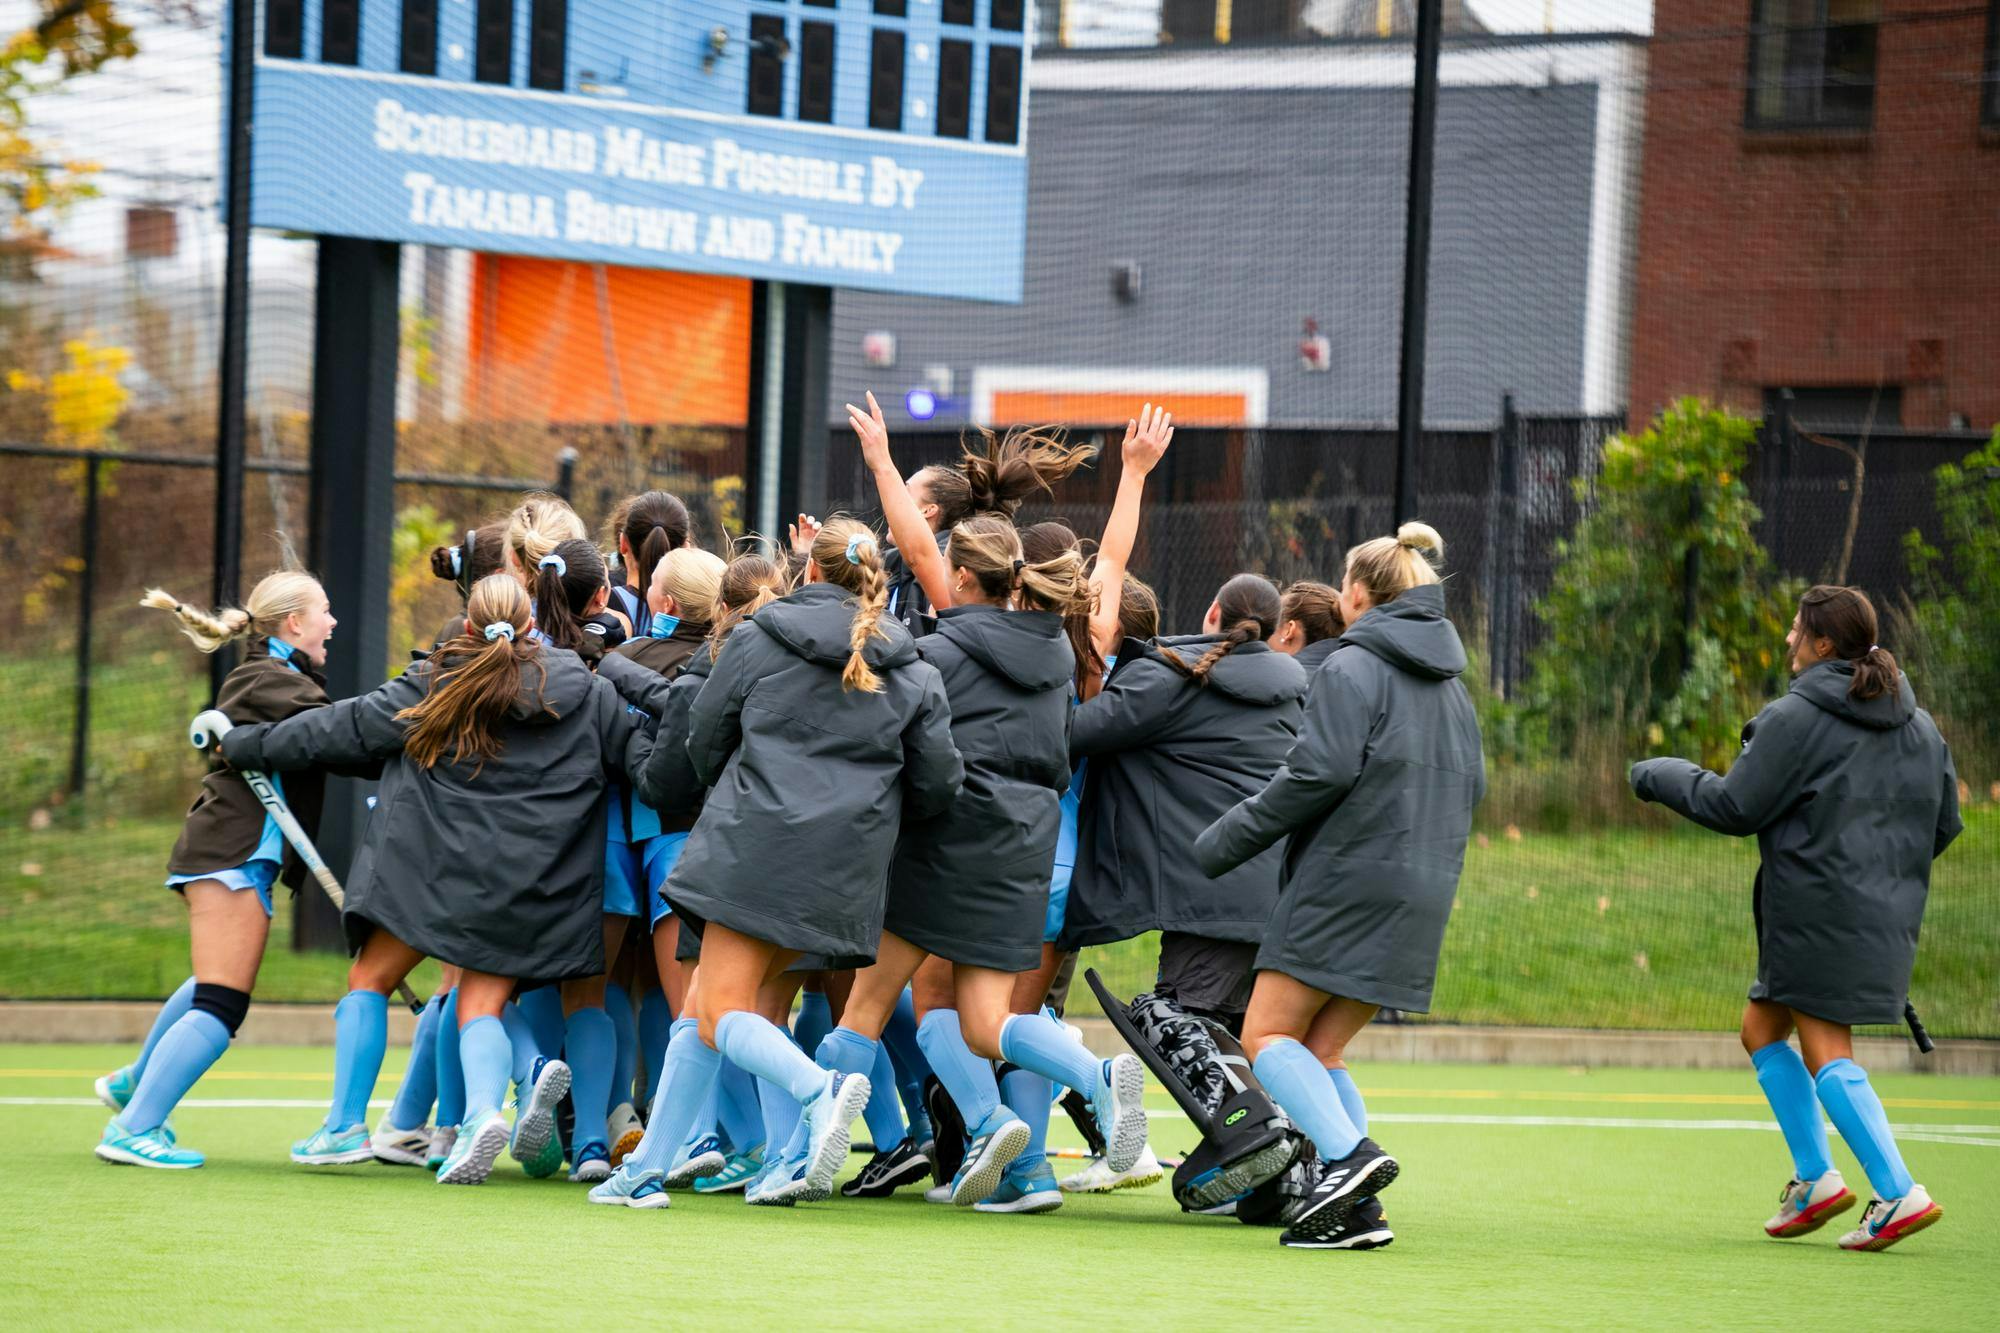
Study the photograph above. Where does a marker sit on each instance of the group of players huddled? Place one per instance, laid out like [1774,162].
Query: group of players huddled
[641,809]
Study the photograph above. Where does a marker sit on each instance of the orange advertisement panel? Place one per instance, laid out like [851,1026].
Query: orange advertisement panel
[1106,408]
[558,341]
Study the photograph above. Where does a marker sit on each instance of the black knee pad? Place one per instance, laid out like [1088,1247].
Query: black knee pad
[228,1004]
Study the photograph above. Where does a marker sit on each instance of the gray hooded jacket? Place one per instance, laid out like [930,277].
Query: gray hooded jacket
[500,867]
[972,884]
[1167,757]
[1375,804]
[808,781]
[1850,800]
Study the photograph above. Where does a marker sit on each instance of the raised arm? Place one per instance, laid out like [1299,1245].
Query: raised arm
[348,734]
[1146,442]
[913,536]
[1323,766]
[1759,787]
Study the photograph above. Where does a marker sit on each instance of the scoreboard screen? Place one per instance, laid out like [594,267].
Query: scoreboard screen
[878,144]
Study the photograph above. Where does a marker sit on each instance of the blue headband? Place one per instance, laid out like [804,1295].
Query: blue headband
[854,545]
[555,562]
[499,629]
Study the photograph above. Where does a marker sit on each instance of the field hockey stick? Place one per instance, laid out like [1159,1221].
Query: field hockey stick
[1923,1038]
[207,731]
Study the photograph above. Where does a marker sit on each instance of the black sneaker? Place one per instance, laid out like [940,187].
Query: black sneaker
[1077,1107]
[1341,1188]
[947,1131]
[887,1172]
[1365,1229]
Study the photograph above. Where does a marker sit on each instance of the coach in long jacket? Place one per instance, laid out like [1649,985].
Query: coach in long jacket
[807,783]
[1851,800]
[1168,757]
[971,884]
[1376,800]
[497,867]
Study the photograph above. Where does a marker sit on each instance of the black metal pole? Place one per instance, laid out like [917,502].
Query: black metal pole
[86,599]
[234,370]
[1417,257]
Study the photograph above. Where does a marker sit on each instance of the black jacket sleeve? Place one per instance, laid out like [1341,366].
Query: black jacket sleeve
[1760,786]
[640,686]
[1127,712]
[348,734]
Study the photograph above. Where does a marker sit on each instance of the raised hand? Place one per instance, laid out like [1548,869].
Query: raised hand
[1146,439]
[873,433]
[803,534]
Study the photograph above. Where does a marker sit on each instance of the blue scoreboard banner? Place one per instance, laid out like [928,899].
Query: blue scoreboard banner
[849,143]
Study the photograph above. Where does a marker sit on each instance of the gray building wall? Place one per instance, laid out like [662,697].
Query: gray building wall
[1251,210]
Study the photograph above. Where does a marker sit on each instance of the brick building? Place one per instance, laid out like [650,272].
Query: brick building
[1821,210]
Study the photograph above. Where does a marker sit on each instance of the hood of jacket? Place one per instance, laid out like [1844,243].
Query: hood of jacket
[1412,633]
[1252,674]
[817,621]
[1825,686]
[1026,648]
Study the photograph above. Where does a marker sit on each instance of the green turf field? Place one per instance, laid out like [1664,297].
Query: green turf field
[1509,1212]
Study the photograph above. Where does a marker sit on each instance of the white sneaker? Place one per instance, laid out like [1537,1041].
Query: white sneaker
[938,1193]
[1807,1205]
[1099,1178]
[400,1147]
[443,1138]
[1889,1220]
[623,1131]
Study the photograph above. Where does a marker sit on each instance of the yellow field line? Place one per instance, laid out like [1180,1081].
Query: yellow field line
[1372,1093]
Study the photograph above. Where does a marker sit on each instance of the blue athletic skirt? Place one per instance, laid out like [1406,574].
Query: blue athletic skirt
[660,854]
[621,879]
[259,875]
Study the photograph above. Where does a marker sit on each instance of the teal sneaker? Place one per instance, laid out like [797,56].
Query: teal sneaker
[535,1121]
[480,1141]
[995,1144]
[1031,1191]
[442,1139]
[631,1189]
[148,1149]
[704,1157]
[115,1089]
[735,1174]
[334,1147]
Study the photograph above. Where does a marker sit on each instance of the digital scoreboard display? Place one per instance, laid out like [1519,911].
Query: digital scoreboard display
[877,144]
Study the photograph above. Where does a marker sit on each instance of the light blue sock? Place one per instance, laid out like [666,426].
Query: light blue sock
[523,1047]
[761,1046]
[656,1021]
[686,1075]
[450,1068]
[965,1076]
[737,1114]
[1350,1099]
[1857,1113]
[195,1041]
[543,1008]
[1297,1081]
[618,1003]
[1027,1095]
[1789,1089]
[899,1038]
[1038,1043]
[590,1048]
[486,1053]
[781,1116]
[883,1113]
[815,1020]
[170,1013]
[418,1090]
[360,1036]
[707,1122]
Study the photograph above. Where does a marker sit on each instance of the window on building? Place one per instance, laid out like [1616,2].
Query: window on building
[1842,409]
[1989,91]
[1812,64]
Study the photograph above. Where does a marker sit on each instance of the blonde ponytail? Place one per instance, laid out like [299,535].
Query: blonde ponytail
[279,595]
[1390,566]
[849,557]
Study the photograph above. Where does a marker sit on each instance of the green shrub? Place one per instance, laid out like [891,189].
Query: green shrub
[1948,634]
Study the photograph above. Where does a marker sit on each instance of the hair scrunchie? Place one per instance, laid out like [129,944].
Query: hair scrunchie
[555,562]
[1019,565]
[499,629]
[854,545]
